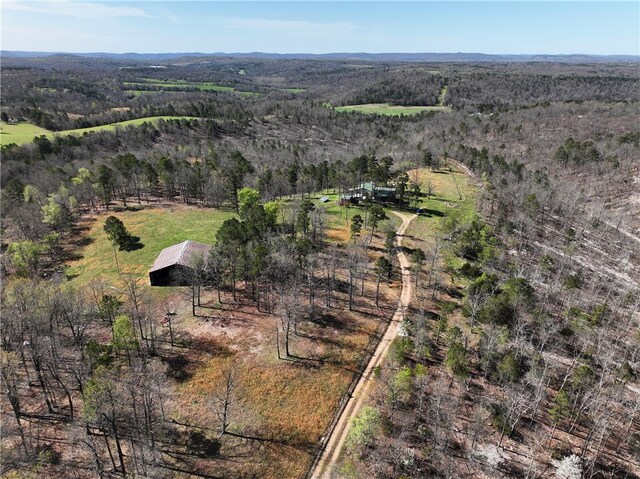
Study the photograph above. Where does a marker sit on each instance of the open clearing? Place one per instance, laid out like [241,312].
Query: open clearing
[445,197]
[157,229]
[181,85]
[202,86]
[297,397]
[283,406]
[25,132]
[442,96]
[20,133]
[293,90]
[387,109]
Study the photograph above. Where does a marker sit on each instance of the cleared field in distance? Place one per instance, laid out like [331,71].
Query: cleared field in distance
[443,94]
[182,84]
[134,87]
[179,84]
[22,133]
[387,109]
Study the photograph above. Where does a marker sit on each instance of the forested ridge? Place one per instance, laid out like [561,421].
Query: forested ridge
[519,356]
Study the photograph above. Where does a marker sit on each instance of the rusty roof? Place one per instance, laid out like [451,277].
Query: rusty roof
[181,253]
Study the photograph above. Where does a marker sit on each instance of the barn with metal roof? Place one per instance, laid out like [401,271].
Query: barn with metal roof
[174,265]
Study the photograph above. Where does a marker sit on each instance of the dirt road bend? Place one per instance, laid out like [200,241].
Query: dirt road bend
[335,442]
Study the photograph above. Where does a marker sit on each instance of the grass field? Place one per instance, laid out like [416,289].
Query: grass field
[292,400]
[179,84]
[202,86]
[443,94]
[293,90]
[139,92]
[445,198]
[157,229]
[386,109]
[22,133]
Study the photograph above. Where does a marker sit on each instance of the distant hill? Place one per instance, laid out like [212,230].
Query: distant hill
[396,57]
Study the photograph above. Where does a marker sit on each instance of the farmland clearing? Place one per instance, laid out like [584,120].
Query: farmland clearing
[22,133]
[180,85]
[392,110]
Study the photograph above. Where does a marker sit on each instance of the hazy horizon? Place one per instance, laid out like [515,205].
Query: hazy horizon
[134,52]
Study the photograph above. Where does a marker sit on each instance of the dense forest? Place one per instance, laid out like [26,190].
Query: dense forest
[520,351]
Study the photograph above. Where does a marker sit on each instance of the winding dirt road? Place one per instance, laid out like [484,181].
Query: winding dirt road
[333,446]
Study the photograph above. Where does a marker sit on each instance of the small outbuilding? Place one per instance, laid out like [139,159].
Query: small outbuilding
[174,265]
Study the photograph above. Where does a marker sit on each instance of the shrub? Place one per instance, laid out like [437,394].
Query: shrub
[498,310]
[25,257]
[499,419]
[561,406]
[402,386]
[574,281]
[366,427]
[469,270]
[457,361]
[510,368]
[400,348]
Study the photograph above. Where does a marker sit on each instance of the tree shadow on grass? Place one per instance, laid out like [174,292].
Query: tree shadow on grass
[271,439]
[326,320]
[430,212]
[131,244]
[454,292]
[200,445]
[178,368]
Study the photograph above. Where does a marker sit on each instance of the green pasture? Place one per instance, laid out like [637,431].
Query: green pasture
[179,84]
[22,133]
[442,95]
[183,84]
[157,229]
[387,109]
[452,190]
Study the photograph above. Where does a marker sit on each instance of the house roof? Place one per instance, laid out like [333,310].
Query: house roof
[181,253]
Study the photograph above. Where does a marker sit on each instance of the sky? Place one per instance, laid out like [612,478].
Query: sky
[146,26]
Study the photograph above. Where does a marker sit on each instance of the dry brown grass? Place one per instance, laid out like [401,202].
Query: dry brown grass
[287,403]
